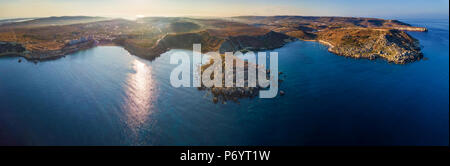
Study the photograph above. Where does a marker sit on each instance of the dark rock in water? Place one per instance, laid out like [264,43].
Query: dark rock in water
[282,93]
[280,73]
[20,60]
[425,58]
[35,61]
[215,100]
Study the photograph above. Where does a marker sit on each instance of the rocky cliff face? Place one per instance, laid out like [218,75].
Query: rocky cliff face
[9,48]
[302,35]
[393,45]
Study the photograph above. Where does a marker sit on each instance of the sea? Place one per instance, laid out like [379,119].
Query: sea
[106,96]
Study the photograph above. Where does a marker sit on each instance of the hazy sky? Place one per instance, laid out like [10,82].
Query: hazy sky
[133,8]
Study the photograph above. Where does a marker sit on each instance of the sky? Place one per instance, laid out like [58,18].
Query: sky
[224,8]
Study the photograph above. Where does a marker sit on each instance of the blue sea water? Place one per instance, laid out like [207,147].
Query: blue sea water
[105,96]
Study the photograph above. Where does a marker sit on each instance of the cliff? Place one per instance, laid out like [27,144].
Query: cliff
[223,94]
[11,48]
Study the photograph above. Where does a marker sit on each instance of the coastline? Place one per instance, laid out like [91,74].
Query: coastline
[396,90]
[53,54]
[356,42]
[132,51]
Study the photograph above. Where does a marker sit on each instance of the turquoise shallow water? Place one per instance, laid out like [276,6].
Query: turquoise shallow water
[105,96]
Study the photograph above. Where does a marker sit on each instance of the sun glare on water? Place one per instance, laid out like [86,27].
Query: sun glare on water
[140,94]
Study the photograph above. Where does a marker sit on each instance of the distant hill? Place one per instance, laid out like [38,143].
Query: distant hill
[312,22]
[50,21]
[13,20]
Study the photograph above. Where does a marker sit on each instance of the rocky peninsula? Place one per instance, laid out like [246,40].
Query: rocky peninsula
[11,49]
[223,94]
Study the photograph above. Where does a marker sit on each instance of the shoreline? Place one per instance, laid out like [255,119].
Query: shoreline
[55,57]
[157,50]
[380,39]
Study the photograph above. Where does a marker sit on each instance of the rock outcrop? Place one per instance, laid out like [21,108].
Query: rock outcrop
[268,41]
[223,93]
[43,55]
[11,48]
